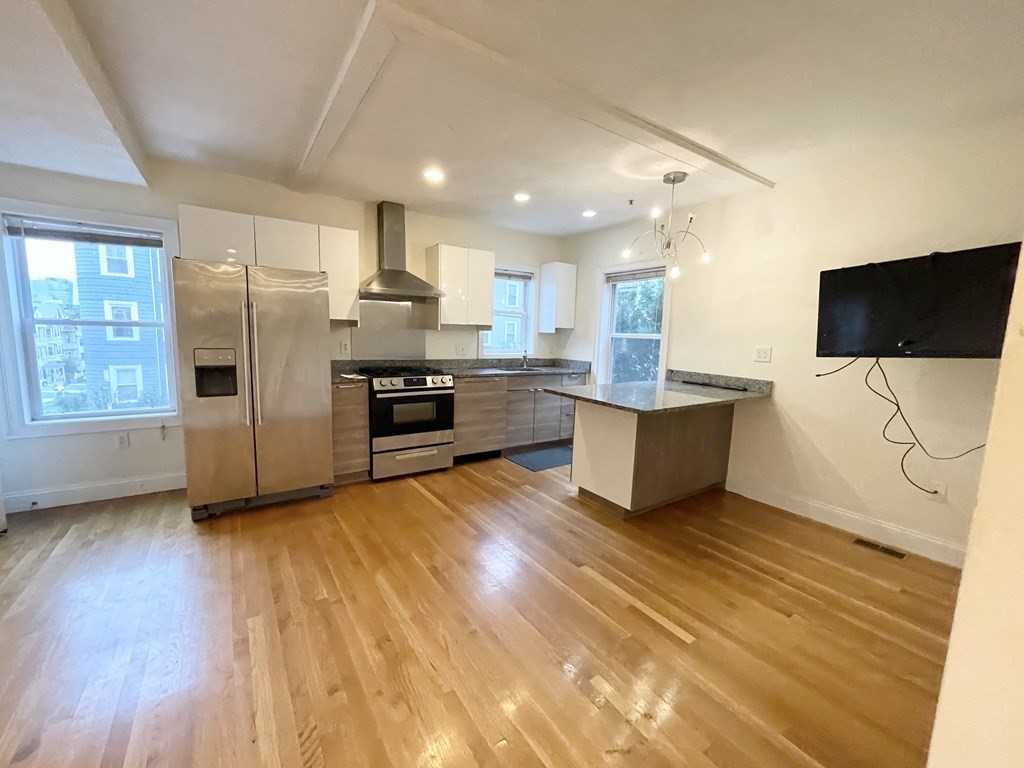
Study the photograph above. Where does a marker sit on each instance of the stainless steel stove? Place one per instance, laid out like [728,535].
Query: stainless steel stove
[412,420]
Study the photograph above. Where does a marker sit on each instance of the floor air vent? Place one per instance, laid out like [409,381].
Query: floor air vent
[880,548]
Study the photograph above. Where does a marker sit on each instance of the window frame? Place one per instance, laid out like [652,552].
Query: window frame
[129,254]
[528,302]
[112,372]
[17,396]
[606,328]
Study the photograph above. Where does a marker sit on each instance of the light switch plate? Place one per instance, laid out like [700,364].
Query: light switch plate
[762,354]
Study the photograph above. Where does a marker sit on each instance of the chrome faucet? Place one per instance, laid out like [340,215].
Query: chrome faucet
[526,360]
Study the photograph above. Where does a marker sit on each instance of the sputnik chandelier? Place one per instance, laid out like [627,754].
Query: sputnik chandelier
[667,242]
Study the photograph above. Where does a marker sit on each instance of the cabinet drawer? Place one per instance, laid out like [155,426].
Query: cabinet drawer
[480,415]
[350,415]
[574,379]
[534,382]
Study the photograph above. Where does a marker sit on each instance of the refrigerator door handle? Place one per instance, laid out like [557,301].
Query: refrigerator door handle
[256,365]
[246,372]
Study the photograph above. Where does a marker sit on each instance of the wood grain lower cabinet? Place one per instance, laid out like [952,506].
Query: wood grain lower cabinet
[547,416]
[519,413]
[568,424]
[350,414]
[480,414]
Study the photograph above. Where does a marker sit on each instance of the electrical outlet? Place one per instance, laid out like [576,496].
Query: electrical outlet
[123,440]
[762,354]
[345,348]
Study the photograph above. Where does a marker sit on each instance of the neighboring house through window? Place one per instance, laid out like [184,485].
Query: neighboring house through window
[511,329]
[94,304]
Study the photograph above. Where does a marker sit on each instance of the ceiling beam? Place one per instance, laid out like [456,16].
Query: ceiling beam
[66,25]
[412,27]
[363,62]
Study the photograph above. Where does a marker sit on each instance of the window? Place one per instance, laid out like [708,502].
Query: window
[632,326]
[117,260]
[121,311]
[510,330]
[98,295]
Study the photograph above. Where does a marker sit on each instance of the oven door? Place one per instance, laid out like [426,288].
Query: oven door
[409,419]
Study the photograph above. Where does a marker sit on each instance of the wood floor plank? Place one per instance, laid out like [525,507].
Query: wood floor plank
[484,616]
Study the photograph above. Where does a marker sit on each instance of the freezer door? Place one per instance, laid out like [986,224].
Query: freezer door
[212,320]
[290,332]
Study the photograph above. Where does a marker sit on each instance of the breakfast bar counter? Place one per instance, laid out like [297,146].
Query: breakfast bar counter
[638,446]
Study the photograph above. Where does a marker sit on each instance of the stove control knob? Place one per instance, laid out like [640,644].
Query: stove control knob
[446,379]
[436,380]
[394,382]
[383,382]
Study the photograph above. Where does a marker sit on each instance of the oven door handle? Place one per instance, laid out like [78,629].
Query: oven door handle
[432,393]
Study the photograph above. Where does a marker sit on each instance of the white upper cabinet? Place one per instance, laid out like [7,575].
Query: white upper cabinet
[480,287]
[557,296]
[209,235]
[287,244]
[447,268]
[339,258]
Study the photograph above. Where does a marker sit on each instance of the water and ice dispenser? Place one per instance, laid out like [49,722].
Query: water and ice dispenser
[216,373]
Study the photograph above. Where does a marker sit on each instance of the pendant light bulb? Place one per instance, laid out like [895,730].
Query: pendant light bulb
[627,253]
[705,257]
[674,272]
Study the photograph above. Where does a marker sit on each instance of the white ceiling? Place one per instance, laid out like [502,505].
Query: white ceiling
[49,117]
[583,105]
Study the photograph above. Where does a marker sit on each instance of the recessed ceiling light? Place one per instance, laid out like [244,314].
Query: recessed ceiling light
[655,213]
[231,259]
[521,197]
[434,175]
[232,250]
[589,213]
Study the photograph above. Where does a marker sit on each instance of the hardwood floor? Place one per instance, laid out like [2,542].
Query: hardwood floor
[481,616]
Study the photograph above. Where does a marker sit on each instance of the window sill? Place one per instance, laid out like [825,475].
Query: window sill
[58,428]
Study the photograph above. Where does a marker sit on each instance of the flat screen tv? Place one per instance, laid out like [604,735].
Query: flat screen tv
[942,305]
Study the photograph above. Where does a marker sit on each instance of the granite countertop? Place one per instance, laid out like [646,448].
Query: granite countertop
[544,371]
[654,397]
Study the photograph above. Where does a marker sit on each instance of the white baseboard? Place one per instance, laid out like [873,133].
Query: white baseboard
[923,544]
[79,494]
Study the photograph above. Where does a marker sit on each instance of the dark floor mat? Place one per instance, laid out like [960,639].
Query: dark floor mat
[544,458]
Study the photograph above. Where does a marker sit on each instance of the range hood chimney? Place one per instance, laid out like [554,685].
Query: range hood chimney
[391,281]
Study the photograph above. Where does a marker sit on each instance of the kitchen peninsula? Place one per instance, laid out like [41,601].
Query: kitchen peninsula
[641,445]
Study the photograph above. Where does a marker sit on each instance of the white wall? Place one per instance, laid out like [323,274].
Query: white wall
[815,447]
[980,708]
[46,471]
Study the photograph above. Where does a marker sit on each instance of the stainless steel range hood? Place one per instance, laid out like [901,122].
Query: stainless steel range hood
[392,282]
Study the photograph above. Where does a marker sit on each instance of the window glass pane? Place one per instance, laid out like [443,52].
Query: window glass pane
[66,280]
[89,375]
[634,359]
[508,294]
[508,335]
[638,305]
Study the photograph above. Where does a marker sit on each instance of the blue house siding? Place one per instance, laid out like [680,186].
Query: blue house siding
[100,352]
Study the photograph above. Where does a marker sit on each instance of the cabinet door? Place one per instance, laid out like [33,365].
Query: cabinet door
[480,287]
[547,417]
[339,258]
[287,244]
[209,235]
[453,280]
[480,414]
[568,425]
[557,296]
[350,414]
[519,411]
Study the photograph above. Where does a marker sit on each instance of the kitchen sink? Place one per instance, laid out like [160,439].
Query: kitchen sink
[529,368]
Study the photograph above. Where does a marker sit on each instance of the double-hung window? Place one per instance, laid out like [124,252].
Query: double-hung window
[633,326]
[90,307]
[510,332]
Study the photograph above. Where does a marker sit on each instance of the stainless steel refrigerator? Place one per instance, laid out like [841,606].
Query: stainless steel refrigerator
[254,367]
